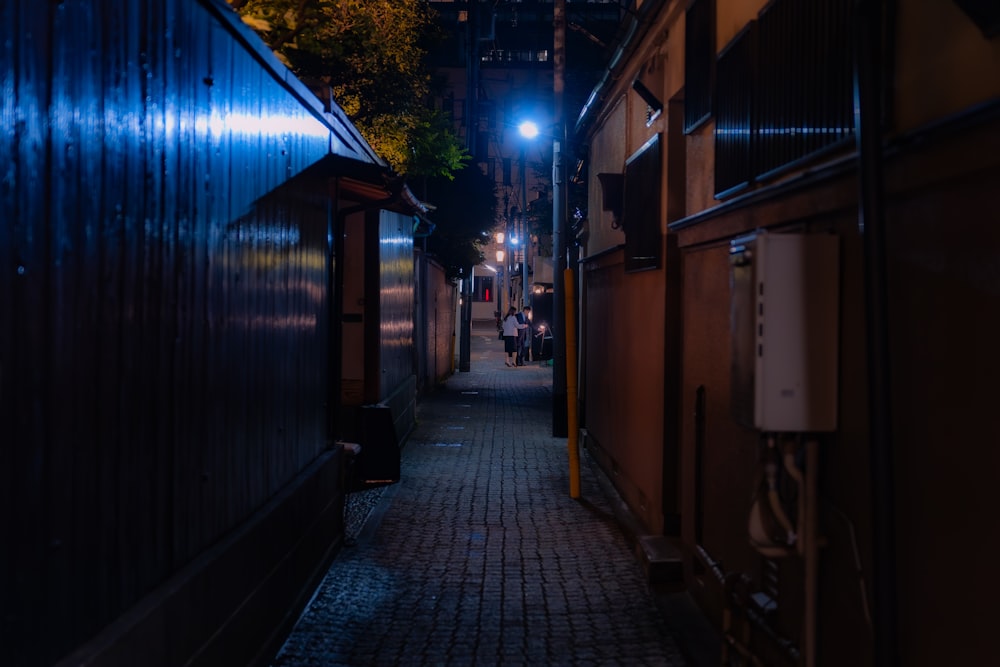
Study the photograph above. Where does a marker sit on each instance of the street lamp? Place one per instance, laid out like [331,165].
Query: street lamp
[529,131]
[513,242]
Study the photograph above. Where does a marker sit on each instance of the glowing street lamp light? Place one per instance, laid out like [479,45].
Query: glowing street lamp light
[528,129]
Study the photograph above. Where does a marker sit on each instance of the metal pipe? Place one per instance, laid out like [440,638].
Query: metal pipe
[559,403]
[471,106]
[525,298]
[868,86]
[335,289]
[571,443]
[729,601]
[465,340]
[811,549]
[774,499]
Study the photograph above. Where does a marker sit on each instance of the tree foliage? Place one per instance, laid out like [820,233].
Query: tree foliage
[465,213]
[371,54]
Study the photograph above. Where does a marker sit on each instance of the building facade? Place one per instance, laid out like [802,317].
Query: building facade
[497,73]
[174,333]
[787,293]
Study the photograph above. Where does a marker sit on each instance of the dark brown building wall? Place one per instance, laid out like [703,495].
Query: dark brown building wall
[944,289]
[623,384]
[942,234]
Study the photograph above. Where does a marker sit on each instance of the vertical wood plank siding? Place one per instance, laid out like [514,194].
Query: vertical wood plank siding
[396,290]
[164,318]
[397,372]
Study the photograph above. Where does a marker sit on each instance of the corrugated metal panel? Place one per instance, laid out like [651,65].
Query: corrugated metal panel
[397,300]
[699,56]
[735,73]
[165,308]
[784,92]
[804,97]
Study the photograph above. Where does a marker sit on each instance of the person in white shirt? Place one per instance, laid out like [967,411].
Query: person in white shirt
[511,325]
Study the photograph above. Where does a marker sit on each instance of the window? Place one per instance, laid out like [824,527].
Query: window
[804,94]
[699,58]
[484,289]
[783,91]
[641,208]
[733,130]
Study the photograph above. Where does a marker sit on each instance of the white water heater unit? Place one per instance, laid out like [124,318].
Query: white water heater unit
[785,331]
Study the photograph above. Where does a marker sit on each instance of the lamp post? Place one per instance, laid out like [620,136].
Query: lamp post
[528,130]
[560,397]
[514,246]
[465,332]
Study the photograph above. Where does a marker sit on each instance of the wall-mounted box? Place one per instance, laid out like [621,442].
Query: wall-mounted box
[785,331]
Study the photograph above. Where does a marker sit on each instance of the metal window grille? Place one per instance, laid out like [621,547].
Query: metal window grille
[734,110]
[783,91]
[699,61]
[804,90]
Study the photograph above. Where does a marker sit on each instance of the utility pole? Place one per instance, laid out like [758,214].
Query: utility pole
[559,395]
[471,135]
[525,237]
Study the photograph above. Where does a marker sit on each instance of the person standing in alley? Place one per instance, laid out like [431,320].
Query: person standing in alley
[511,328]
[524,336]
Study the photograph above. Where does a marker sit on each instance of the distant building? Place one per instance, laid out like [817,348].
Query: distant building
[792,223]
[497,67]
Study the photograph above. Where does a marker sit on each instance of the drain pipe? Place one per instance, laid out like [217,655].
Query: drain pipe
[335,288]
[868,90]
[811,549]
[573,429]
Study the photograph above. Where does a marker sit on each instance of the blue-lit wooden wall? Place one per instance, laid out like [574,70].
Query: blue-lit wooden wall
[164,302]
[397,376]
[396,300]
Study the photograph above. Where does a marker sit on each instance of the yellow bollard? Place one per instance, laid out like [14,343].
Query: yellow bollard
[572,442]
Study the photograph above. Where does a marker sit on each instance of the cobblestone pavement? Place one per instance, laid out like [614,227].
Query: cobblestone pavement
[479,556]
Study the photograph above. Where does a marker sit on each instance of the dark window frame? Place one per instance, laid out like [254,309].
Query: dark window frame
[734,122]
[482,284]
[783,92]
[699,63]
[643,192]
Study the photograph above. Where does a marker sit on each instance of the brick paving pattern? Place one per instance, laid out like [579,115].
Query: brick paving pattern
[479,556]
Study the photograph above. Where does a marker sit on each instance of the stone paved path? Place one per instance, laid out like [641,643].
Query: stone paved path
[479,556]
